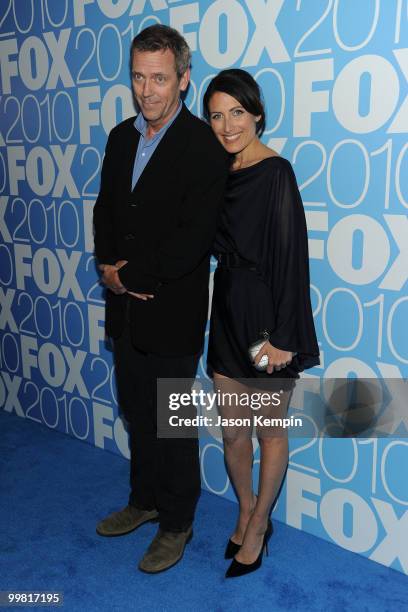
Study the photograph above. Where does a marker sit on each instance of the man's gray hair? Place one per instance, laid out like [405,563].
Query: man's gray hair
[161,37]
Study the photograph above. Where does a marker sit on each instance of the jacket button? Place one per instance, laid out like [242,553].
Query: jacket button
[129,237]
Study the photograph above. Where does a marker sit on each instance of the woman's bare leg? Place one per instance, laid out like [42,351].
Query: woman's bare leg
[238,453]
[273,463]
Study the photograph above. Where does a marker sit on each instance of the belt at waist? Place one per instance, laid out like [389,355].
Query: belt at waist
[233,260]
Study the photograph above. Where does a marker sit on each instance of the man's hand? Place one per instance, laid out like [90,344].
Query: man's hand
[140,296]
[277,359]
[111,279]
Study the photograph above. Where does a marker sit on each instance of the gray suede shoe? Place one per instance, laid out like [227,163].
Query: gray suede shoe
[124,521]
[166,550]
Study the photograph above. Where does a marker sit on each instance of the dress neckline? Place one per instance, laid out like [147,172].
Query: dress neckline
[261,161]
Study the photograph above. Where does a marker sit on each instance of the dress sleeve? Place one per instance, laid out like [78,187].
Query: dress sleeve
[285,268]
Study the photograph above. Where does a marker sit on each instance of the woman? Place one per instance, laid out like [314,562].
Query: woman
[261,290]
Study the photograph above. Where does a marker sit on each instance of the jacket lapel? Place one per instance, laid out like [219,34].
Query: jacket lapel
[169,150]
[129,154]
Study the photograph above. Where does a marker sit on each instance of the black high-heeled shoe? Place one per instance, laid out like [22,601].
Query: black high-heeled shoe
[231,549]
[240,569]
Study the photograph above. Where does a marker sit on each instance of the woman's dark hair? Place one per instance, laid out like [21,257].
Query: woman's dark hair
[240,85]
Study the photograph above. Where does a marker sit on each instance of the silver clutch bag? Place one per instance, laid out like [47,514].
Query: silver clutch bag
[254,349]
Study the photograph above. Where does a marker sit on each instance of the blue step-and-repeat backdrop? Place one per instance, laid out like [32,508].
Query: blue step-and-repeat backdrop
[334,75]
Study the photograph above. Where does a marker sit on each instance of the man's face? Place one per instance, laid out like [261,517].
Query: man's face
[156,85]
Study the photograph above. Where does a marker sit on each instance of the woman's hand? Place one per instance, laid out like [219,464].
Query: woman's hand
[277,359]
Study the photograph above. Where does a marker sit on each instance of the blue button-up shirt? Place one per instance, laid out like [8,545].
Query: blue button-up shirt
[147,147]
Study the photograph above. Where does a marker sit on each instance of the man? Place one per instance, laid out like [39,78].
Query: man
[162,184]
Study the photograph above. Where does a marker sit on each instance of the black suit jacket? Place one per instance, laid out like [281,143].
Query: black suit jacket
[164,229]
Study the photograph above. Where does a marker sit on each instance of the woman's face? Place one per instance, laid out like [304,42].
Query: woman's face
[234,127]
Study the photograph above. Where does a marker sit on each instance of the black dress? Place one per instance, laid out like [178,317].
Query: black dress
[263,224]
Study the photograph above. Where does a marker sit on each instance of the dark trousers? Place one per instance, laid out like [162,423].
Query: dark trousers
[164,473]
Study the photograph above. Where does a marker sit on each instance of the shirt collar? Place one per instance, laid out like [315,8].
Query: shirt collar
[141,124]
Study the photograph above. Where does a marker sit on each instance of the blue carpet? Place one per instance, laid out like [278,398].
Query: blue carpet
[53,489]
